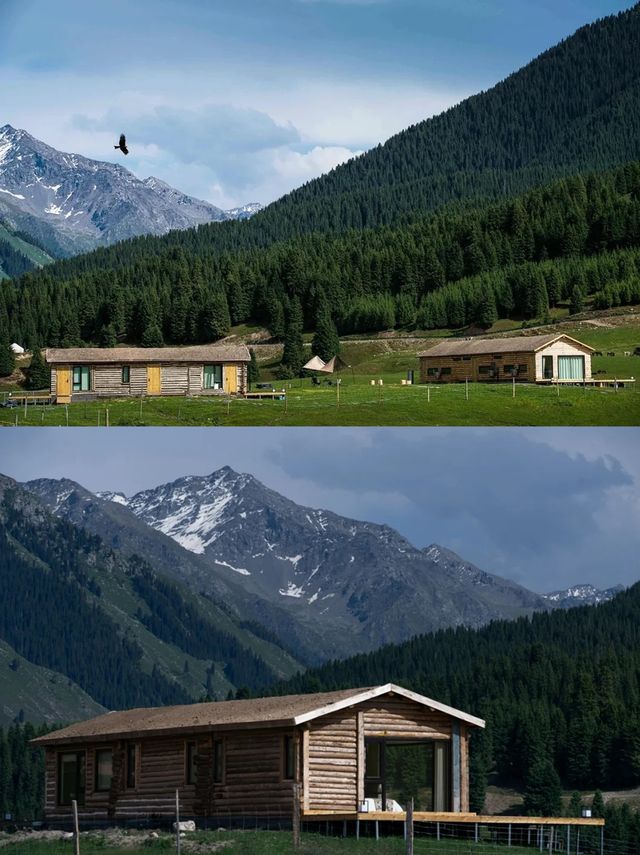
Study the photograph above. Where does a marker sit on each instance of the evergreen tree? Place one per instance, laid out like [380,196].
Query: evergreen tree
[152,336]
[293,352]
[543,791]
[38,374]
[326,343]
[577,300]
[575,804]
[7,358]
[253,369]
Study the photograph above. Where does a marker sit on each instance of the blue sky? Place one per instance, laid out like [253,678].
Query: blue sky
[546,507]
[242,100]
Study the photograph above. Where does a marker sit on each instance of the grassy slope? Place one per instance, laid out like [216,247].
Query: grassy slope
[120,602]
[43,695]
[33,253]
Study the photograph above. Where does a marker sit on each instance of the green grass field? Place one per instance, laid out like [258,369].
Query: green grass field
[359,404]
[248,843]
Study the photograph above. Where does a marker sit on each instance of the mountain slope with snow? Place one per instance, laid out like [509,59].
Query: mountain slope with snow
[70,204]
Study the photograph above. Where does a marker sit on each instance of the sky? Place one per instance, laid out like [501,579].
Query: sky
[238,101]
[546,507]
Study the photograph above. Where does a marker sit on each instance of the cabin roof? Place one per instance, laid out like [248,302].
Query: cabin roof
[519,344]
[287,710]
[201,353]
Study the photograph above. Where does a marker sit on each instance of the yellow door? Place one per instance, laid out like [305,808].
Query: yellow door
[63,384]
[153,380]
[230,379]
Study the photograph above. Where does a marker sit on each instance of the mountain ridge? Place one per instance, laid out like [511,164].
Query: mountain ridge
[81,203]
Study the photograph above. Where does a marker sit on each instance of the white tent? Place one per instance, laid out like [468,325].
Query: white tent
[17,349]
[317,364]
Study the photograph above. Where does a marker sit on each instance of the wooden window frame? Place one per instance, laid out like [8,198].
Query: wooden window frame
[80,368]
[288,744]
[132,747]
[219,765]
[96,752]
[126,372]
[214,367]
[189,746]
[81,757]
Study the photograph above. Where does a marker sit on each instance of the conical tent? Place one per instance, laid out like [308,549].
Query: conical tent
[335,364]
[315,364]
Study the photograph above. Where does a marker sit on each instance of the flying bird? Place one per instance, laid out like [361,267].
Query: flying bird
[122,145]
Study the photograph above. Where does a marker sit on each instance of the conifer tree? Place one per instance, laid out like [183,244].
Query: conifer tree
[38,374]
[293,353]
[152,336]
[7,358]
[326,343]
[543,790]
[253,369]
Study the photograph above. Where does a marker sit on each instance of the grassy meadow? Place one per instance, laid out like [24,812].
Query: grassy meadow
[385,359]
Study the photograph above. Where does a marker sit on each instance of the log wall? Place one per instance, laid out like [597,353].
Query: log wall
[468,368]
[332,774]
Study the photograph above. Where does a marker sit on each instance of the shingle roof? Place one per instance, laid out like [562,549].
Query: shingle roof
[202,353]
[259,712]
[480,346]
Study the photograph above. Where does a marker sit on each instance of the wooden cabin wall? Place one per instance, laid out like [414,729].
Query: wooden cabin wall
[106,380]
[403,719]
[462,368]
[562,348]
[464,769]
[332,773]
[174,379]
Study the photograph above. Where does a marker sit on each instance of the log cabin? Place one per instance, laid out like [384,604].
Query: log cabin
[86,373]
[534,359]
[329,752]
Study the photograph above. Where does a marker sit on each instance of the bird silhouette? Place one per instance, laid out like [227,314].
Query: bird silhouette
[122,145]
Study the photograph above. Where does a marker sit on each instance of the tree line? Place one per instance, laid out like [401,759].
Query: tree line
[574,239]
[560,692]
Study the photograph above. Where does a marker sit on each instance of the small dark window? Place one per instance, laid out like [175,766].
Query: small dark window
[497,356]
[132,753]
[466,359]
[289,765]
[432,371]
[71,777]
[218,761]
[523,368]
[104,770]
[192,751]
[445,371]
[126,373]
[456,359]
[485,369]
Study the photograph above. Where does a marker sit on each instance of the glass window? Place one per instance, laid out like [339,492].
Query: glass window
[218,761]
[126,373]
[192,752]
[104,769]
[432,371]
[485,369]
[212,377]
[71,778]
[81,378]
[466,359]
[289,758]
[445,371]
[132,752]
[372,762]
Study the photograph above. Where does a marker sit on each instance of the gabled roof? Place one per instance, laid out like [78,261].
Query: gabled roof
[201,353]
[288,710]
[516,344]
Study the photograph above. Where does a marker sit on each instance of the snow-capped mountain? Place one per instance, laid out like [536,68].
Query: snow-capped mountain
[356,583]
[326,585]
[68,203]
[581,595]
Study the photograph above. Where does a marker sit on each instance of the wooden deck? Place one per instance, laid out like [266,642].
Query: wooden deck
[600,382]
[429,816]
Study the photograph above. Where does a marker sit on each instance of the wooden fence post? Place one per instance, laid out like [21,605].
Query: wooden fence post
[296,816]
[76,829]
[410,827]
[177,823]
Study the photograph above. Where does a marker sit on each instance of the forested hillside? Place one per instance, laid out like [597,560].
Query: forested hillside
[573,110]
[122,633]
[576,237]
[559,688]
